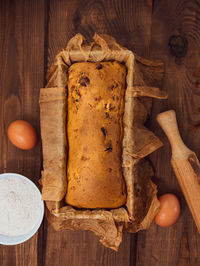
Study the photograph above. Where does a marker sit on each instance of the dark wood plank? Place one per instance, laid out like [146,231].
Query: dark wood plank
[76,248]
[21,76]
[145,27]
[83,248]
[179,244]
[127,21]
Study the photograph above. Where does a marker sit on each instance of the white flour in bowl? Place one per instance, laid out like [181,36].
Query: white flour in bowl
[20,206]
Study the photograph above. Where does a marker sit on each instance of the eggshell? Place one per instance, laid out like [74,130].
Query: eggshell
[169,210]
[22,134]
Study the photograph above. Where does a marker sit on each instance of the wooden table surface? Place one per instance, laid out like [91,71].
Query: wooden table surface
[31,34]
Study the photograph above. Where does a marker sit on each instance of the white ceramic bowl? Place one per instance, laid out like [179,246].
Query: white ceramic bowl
[14,240]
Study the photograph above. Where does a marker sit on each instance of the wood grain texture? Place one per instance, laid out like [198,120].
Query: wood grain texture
[179,244]
[83,248]
[127,21]
[184,162]
[32,32]
[21,75]
[70,18]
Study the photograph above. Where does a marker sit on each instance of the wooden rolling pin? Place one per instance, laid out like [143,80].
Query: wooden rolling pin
[184,162]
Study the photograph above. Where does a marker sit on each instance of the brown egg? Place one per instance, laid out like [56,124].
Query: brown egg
[22,134]
[169,210]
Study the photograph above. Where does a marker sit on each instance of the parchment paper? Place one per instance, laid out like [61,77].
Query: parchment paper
[143,79]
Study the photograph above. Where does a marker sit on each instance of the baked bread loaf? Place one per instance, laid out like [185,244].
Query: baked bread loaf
[95,132]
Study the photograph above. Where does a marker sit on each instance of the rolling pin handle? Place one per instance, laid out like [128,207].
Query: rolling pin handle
[184,162]
[167,120]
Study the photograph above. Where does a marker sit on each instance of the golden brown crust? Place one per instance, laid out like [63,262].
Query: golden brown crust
[95,132]
[140,72]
